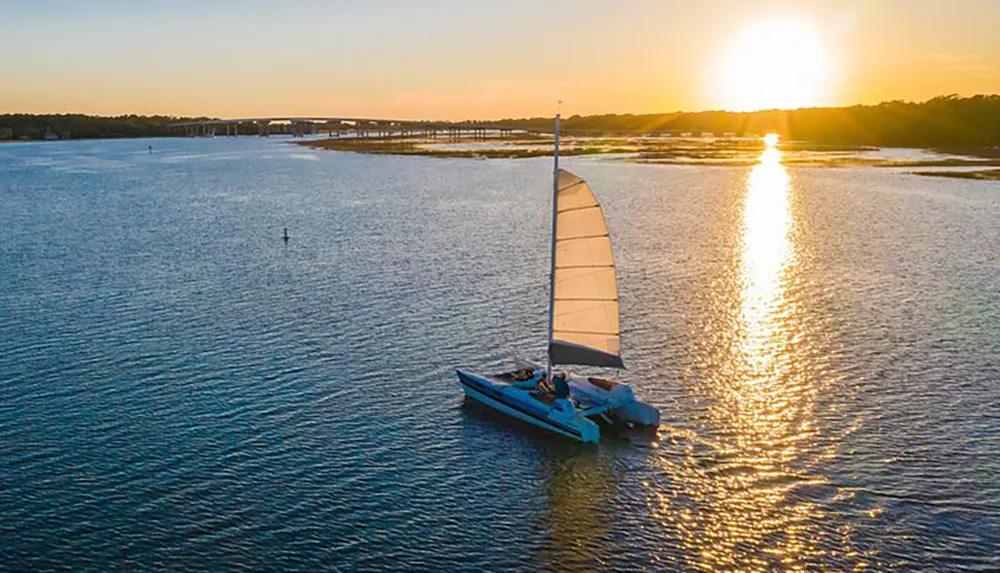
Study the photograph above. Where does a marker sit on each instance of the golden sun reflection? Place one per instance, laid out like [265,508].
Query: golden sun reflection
[766,256]
[739,508]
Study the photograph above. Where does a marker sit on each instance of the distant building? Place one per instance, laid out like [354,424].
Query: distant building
[6,133]
[49,135]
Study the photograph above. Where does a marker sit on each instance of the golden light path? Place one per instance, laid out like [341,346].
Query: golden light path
[738,509]
[759,399]
[767,256]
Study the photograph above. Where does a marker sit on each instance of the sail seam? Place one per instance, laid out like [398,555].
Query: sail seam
[582,237]
[586,332]
[572,185]
[578,208]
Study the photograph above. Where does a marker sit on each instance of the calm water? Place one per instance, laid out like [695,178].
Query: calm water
[179,390]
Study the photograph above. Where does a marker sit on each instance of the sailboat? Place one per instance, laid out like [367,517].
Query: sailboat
[583,330]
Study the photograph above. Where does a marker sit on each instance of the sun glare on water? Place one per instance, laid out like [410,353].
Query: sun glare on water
[776,63]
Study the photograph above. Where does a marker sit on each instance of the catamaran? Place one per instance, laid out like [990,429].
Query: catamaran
[583,330]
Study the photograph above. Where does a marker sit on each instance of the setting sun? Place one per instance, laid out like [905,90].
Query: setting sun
[776,63]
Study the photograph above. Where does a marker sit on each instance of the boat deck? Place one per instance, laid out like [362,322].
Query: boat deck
[543,396]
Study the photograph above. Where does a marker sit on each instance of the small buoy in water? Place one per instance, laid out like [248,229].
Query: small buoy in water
[150,148]
[284,237]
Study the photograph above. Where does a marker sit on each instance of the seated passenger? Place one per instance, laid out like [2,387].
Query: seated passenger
[525,380]
[522,375]
[561,386]
[544,386]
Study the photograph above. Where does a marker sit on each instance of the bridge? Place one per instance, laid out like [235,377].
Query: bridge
[396,128]
[341,126]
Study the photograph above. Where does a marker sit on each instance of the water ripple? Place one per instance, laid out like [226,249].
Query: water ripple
[183,391]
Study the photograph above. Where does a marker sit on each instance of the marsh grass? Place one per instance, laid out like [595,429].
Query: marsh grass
[731,152]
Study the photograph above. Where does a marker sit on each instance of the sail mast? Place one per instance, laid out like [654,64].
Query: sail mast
[552,254]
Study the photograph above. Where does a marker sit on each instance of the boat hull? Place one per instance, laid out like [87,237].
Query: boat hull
[519,404]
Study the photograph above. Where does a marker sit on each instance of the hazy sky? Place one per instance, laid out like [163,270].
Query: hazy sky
[456,59]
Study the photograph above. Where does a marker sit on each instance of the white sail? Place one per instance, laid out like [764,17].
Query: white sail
[585,326]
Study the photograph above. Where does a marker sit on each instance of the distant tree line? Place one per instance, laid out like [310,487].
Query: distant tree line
[945,121]
[74,125]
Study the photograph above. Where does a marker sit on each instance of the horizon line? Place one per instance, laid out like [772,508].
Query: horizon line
[512,118]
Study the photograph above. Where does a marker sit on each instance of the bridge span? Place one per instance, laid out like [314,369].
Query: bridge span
[396,128]
[340,126]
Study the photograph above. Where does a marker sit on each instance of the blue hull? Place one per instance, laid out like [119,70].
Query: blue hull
[519,404]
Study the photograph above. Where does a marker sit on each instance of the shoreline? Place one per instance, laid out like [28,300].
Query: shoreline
[683,151]
[97,139]
[721,152]
[982,175]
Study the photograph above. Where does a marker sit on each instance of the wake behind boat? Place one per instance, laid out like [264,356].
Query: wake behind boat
[583,330]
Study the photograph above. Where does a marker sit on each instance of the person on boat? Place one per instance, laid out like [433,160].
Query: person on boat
[556,387]
[561,387]
[525,379]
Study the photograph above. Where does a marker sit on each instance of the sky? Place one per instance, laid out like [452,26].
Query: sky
[469,59]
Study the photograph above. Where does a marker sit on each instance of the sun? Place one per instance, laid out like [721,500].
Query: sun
[778,63]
